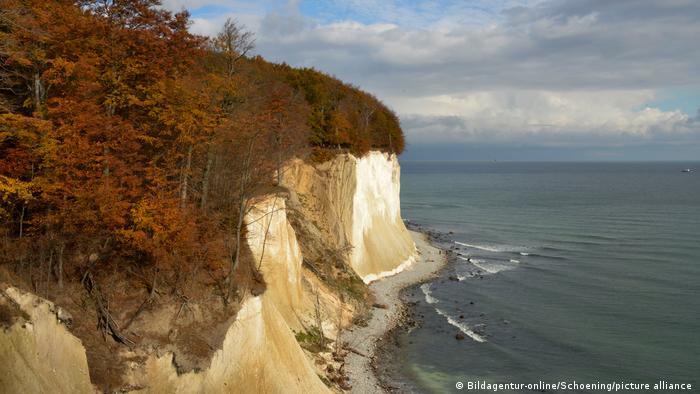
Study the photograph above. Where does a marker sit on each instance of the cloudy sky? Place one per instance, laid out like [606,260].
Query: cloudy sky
[500,79]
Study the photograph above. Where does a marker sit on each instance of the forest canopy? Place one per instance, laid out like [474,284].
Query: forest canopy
[127,141]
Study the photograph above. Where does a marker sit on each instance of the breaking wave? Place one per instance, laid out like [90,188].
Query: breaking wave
[491,267]
[425,288]
[462,327]
[492,248]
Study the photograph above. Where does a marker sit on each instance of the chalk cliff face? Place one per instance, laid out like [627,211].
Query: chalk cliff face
[356,204]
[359,198]
[294,292]
[382,245]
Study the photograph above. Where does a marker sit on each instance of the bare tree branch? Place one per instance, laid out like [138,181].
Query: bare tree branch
[234,42]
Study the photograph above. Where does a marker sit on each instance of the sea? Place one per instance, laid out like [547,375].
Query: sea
[576,273]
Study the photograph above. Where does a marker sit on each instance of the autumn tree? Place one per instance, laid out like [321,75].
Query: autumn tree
[125,137]
[284,115]
[234,42]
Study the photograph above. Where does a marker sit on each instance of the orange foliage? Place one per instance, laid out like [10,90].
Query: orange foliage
[123,134]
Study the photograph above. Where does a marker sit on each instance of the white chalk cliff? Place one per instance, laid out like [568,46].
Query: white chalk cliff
[359,197]
[379,236]
[358,201]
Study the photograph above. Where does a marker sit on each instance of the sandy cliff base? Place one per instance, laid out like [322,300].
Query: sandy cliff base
[259,355]
[363,339]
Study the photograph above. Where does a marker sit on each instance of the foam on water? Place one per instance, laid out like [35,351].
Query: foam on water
[490,267]
[462,327]
[492,248]
[425,288]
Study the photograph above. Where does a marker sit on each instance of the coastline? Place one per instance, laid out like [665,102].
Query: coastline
[388,312]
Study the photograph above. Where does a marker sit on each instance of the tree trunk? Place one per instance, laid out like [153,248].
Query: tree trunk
[48,273]
[105,169]
[278,141]
[60,265]
[242,208]
[155,282]
[21,220]
[110,110]
[319,321]
[185,178]
[205,181]
[237,255]
[38,95]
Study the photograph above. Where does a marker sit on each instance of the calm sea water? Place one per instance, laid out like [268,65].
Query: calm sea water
[577,271]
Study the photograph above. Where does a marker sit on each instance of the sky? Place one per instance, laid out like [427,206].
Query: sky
[500,79]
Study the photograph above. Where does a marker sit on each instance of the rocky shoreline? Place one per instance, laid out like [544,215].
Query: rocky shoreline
[385,363]
[368,367]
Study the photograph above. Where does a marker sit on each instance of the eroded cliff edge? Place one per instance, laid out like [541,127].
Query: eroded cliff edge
[336,223]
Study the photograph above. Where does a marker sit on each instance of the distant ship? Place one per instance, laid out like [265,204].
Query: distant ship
[687,170]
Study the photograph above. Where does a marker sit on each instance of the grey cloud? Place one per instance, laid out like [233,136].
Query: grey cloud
[284,22]
[427,129]
[556,45]
[618,10]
